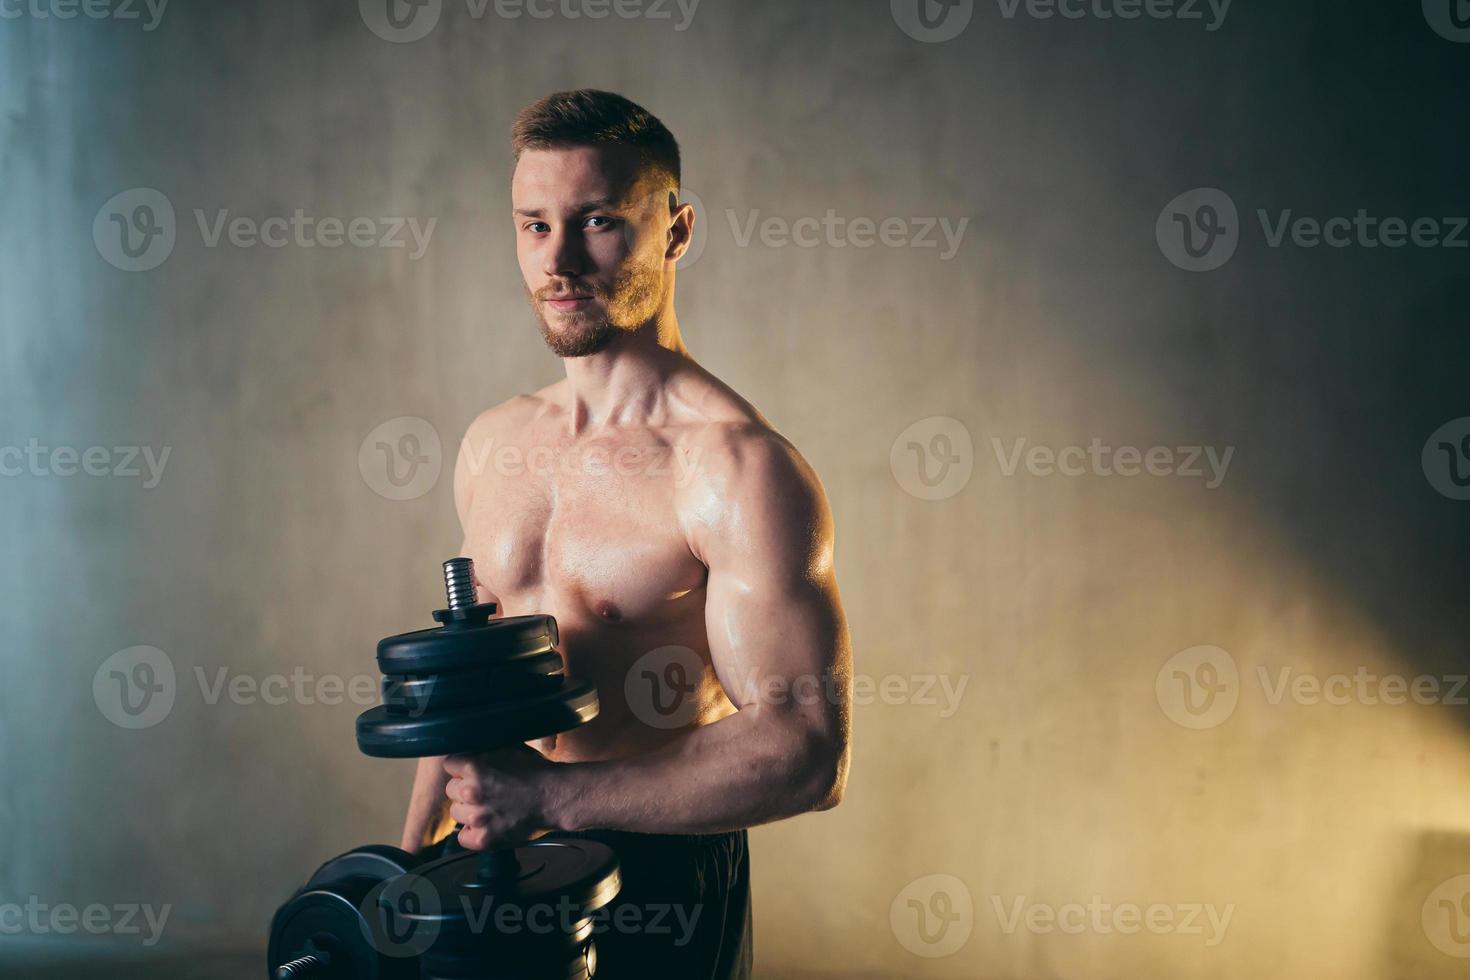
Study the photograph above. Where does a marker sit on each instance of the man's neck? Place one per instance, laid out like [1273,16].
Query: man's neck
[625,382]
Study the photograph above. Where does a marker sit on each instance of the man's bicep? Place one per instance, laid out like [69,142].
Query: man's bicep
[773,637]
[773,614]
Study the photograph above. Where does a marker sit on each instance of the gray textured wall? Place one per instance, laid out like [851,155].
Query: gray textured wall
[1064,774]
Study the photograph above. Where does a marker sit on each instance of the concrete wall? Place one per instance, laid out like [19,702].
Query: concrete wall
[1068,772]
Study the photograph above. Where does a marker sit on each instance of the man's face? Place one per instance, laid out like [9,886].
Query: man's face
[592,238]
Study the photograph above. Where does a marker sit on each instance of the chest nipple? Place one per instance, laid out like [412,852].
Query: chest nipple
[607,612]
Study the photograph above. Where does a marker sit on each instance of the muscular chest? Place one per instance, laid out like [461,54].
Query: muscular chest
[573,529]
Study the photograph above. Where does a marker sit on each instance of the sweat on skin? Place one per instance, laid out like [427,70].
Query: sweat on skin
[943,691]
[510,460]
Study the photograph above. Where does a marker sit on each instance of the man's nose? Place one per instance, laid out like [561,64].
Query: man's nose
[567,256]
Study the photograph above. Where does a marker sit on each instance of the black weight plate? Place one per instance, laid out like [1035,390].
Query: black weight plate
[505,957]
[573,874]
[377,861]
[432,651]
[331,920]
[387,734]
[452,689]
[532,921]
[498,963]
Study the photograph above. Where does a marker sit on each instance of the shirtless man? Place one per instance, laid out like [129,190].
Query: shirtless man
[660,519]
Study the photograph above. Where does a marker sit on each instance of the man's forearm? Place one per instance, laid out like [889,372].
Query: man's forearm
[758,765]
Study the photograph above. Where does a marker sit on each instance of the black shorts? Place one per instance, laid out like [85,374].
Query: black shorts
[683,911]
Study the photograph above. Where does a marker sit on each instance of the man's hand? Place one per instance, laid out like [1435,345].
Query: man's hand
[500,797]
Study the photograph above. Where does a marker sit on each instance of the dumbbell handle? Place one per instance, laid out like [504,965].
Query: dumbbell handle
[499,864]
[459,590]
[493,864]
[304,966]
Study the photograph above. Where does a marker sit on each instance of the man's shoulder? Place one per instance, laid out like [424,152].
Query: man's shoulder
[744,467]
[752,493]
[733,446]
[737,449]
[512,415]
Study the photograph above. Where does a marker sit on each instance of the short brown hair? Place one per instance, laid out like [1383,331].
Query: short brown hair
[589,117]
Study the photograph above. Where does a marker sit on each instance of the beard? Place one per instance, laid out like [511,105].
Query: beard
[626,306]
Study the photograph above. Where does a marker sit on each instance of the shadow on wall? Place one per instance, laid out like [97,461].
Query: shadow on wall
[1429,937]
[1336,371]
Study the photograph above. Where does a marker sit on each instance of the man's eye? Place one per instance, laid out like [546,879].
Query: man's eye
[538,227]
[605,221]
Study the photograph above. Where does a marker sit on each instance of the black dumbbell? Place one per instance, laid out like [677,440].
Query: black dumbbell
[473,683]
[324,932]
[470,685]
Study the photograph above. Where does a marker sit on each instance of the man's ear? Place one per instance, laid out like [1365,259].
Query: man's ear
[681,228]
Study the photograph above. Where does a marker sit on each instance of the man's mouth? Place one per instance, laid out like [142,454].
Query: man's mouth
[568,304]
